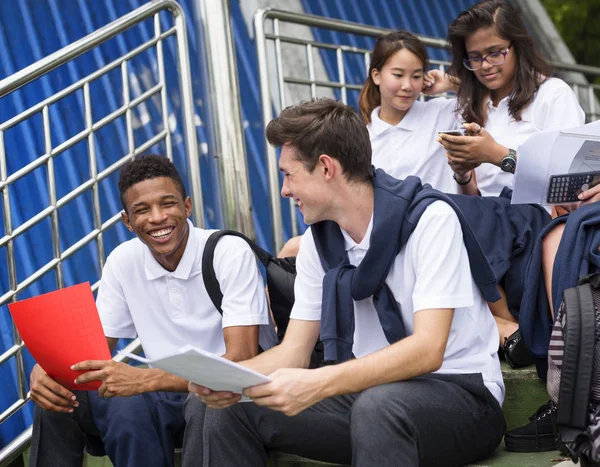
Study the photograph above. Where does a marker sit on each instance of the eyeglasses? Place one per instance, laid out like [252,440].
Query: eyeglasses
[495,58]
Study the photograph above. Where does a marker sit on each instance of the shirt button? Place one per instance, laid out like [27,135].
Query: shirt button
[174,291]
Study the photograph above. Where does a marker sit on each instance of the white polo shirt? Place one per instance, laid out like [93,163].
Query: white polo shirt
[554,107]
[426,274]
[167,310]
[410,148]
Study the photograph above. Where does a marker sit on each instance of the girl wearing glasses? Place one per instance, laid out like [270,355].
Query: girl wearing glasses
[503,89]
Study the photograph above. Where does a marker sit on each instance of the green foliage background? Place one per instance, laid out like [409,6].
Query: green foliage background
[578,22]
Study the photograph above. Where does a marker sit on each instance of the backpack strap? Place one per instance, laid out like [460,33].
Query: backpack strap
[576,372]
[208,271]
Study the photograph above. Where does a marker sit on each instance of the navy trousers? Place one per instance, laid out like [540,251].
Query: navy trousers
[132,431]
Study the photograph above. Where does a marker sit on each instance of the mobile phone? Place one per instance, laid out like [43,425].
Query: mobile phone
[565,188]
[451,132]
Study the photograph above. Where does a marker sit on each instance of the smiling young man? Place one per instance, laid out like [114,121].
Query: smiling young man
[383,275]
[152,287]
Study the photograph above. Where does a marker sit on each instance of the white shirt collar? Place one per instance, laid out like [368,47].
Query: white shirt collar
[364,244]
[154,269]
[502,102]
[409,122]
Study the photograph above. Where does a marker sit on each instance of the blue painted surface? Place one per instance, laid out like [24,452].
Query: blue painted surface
[30,30]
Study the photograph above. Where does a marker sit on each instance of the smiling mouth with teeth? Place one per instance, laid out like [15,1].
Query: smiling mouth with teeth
[161,233]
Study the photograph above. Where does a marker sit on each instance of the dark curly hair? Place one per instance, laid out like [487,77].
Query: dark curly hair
[145,167]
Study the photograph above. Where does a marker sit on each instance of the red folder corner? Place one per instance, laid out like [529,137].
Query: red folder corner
[62,328]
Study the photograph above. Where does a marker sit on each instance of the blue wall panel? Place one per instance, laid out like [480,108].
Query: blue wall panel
[30,30]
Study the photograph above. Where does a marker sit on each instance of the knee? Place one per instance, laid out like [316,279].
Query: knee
[372,414]
[218,422]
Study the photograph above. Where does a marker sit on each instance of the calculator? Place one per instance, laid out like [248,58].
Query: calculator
[566,187]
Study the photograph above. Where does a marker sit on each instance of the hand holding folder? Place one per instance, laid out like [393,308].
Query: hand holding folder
[62,328]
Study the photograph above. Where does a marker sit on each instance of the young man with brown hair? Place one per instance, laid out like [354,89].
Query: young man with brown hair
[390,276]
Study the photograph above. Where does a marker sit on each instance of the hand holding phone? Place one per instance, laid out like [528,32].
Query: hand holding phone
[451,132]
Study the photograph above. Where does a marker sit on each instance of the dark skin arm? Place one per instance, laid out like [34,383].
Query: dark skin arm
[120,379]
[49,394]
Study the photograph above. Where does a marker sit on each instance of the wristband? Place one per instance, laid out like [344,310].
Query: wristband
[463,183]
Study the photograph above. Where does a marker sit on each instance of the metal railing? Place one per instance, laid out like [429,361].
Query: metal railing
[277,80]
[52,152]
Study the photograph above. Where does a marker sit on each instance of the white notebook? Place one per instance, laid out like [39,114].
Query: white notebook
[205,368]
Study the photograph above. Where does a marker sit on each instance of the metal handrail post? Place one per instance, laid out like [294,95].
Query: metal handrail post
[226,114]
[267,116]
[185,80]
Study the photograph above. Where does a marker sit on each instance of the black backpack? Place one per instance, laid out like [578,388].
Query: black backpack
[280,275]
[574,370]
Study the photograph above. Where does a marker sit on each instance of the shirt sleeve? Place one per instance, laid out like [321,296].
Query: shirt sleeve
[244,300]
[308,287]
[440,261]
[447,117]
[556,107]
[112,307]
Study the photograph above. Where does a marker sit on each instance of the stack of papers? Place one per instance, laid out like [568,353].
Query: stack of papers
[554,153]
[206,369]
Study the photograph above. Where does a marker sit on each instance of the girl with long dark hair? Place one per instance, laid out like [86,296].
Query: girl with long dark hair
[504,93]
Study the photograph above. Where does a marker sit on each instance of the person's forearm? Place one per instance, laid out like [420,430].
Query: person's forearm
[470,188]
[408,358]
[280,356]
[159,380]
[496,154]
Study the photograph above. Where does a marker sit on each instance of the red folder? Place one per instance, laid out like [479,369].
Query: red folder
[62,328]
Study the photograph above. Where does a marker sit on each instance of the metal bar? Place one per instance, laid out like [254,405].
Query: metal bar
[8,230]
[283,104]
[52,194]
[336,25]
[163,85]
[14,408]
[267,116]
[77,48]
[311,71]
[225,107]
[12,351]
[134,346]
[89,122]
[13,450]
[324,84]
[54,262]
[79,84]
[185,83]
[592,102]
[128,116]
[342,74]
[317,44]
[80,136]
